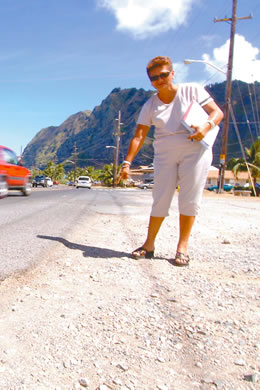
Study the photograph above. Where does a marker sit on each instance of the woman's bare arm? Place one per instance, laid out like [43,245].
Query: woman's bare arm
[135,145]
[215,115]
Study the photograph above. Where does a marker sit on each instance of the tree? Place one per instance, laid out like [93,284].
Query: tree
[56,172]
[107,174]
[86,171]
[252,158]
[79,172]
[59,172]
[50,170]
[36,172]
[92,172]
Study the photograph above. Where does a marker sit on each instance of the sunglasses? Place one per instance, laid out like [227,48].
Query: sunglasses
[160,76]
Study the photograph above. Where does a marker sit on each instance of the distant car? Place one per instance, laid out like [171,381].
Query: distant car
[145,186]
[226,187]
[83,182]
[130,182]
[48,182]
[39,180]
[13,175]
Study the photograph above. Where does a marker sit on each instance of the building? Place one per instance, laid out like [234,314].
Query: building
[146,173]
[229,178]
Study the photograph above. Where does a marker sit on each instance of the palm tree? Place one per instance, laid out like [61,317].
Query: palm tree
[59,172]
[92,172]
[107,174]
[252,160]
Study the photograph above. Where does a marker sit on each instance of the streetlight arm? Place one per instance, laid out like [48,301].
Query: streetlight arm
[109,146]
[187,62]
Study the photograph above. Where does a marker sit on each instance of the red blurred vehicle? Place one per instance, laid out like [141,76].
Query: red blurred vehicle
[13,175]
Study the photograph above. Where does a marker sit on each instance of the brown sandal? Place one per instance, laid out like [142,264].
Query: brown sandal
[181,260]
[142,253]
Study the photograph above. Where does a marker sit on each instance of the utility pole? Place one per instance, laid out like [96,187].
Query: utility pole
[75,160]
[55,167]
[223,152]
[114,166]
[118,135]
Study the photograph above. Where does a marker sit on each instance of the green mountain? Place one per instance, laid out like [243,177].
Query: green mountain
[45,144]
[91,132]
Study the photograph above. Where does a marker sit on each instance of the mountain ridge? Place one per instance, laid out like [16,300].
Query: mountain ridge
[92,131]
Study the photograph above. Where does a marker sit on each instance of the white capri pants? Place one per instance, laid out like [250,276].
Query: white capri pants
[179,161]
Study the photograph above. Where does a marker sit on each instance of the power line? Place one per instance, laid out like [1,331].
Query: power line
[253,108]
[256,104]
[247,121]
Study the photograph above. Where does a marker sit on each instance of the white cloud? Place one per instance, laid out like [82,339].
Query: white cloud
[181,72]
[208,40]
[144,18]
[246,66]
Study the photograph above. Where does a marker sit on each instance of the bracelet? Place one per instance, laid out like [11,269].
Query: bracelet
[212,123]
[125,166]
[126,162]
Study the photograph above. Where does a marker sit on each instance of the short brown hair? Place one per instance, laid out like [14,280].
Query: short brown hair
[158,61]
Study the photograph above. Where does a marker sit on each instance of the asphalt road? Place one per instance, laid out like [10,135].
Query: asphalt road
[24,221]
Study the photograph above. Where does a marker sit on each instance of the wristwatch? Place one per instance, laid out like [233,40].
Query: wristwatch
[212,123]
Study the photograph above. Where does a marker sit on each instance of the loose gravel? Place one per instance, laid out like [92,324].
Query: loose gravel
[90,317]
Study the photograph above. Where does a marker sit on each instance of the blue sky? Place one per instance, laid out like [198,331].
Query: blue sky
[59,57]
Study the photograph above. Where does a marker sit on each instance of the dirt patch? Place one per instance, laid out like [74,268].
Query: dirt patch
[91,317]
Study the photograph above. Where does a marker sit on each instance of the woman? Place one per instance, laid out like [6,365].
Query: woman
[177,160]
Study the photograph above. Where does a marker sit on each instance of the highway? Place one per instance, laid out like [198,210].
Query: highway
[54,212]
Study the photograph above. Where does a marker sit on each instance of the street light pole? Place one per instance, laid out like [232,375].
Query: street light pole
[74,172]
[118,135]
[75,161]
[114,163]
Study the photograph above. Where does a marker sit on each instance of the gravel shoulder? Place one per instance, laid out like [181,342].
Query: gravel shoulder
[91,317]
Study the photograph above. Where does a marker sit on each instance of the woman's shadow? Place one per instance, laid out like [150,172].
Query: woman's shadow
[88,251]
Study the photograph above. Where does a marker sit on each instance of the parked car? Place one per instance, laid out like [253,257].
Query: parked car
[145,186]
[226,187]
[38,181]
[13,175]
[83,182]
[48,182]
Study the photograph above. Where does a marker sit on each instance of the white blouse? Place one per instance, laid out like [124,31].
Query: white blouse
[167,117]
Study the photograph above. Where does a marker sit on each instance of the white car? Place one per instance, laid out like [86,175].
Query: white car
[48,182]
[83,182]
[145,186]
